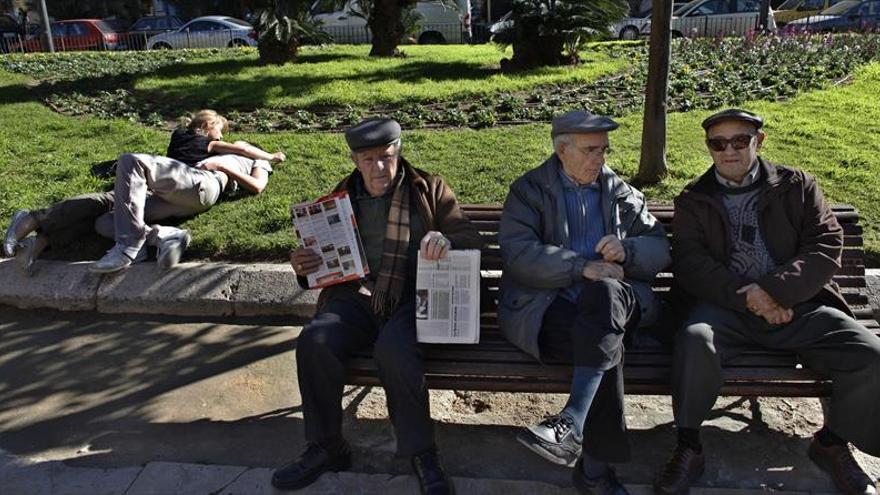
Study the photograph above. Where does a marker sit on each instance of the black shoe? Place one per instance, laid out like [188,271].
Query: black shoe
[553,439]
[604,485]
[682,469]
[838,461]
[314,462]
[432,476]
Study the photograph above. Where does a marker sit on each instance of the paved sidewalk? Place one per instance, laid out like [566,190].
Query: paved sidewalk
[164,478]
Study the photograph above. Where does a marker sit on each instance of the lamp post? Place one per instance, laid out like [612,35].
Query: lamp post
[47,31]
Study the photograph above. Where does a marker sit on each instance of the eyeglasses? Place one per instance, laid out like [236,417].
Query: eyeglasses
[596,150]
[739,142]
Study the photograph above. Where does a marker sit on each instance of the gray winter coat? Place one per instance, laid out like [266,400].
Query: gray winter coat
[537,256]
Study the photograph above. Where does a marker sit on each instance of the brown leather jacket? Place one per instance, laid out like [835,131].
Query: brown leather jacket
[798,227]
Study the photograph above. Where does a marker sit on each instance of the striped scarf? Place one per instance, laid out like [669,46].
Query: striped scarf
[389,284]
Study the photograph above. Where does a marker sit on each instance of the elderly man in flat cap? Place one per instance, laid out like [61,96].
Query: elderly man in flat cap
[400,210]
[755,248]
[579,250]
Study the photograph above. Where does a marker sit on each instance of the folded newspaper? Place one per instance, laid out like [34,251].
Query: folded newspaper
[448,298]
[327,225]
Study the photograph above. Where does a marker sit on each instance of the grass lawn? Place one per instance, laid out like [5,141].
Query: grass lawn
[833,133]
[346,75]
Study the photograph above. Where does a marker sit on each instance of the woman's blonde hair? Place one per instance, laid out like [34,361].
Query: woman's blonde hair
[203,120]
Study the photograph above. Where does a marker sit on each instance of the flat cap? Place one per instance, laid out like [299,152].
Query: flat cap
[375,131]
[581,122]
[733,114]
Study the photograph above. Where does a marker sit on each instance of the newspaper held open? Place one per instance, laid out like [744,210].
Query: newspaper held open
[448,298]
[328,226]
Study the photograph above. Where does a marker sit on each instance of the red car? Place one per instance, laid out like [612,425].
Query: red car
[77,34]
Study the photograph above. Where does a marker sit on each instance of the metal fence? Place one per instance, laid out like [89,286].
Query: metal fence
[129,41]
[434,33]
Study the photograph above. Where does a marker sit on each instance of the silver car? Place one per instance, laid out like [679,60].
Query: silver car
[717,18]
[213,31]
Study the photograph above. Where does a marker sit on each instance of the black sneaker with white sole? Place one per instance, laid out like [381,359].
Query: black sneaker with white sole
[554,439]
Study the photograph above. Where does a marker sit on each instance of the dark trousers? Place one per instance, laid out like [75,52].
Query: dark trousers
[826,339]
[69,220]
[344,325]
[589,332]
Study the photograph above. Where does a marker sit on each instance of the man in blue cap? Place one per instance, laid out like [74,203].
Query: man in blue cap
[755,247]
[579,249]
[400,211]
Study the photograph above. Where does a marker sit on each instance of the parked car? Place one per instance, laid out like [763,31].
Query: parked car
[75,35]
[798,9]
[145,27]
[630,28]
[206,32]
[437,22]
[849,15]
[717,18]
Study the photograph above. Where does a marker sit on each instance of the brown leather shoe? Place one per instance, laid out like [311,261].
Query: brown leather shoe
[838,461]
[684,467]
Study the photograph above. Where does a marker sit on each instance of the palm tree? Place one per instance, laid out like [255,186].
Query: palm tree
[550,32]
[281,27]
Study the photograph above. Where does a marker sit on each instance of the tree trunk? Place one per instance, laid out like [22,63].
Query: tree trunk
[387,28]
[536,52]
[652,167]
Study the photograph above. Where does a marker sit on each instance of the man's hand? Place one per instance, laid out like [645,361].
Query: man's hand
[597,270]
[434,246]
[611,249]
[778,316]
[762,304]
[305,261]
[278,157]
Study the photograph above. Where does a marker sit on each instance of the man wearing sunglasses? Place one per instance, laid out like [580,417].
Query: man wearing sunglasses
[755,247]
[579,249]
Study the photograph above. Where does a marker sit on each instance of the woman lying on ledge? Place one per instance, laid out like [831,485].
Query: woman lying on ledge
[198,169]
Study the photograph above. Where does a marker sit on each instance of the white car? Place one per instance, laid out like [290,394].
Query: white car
[717,18]
[630,28]
[437,23]
[213,31]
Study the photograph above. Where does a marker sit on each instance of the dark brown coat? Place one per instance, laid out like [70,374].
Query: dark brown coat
[798,227]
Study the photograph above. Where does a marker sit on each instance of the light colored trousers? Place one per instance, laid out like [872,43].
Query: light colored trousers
[175,190]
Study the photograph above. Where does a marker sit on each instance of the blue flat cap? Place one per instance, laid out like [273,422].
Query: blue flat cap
[733,114]
[581,122]
[375,131]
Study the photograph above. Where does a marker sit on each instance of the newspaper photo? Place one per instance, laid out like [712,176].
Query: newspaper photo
[448,298]
[327,225]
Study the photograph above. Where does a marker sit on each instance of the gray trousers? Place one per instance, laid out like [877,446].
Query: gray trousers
[825,338]
[70,219]
[189,190]
[344,325]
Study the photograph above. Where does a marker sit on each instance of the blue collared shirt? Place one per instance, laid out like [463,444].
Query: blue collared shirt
[583,208]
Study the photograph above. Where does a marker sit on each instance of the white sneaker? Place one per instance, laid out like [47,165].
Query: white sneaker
[10,242]
[116,260]
[171,248]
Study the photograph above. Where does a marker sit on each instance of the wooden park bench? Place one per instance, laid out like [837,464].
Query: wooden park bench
[496,365]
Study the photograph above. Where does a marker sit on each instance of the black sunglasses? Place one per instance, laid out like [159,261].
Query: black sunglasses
[739,142]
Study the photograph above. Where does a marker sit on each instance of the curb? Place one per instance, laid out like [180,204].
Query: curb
[188,289]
